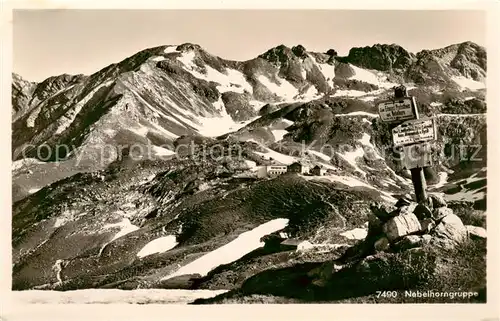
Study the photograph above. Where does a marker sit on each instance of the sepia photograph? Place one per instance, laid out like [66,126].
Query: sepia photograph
[201,157]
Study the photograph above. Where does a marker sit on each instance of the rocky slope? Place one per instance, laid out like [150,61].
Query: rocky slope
[407,256]
[91,210]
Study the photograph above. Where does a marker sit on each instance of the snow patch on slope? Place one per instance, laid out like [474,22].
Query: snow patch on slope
[352,182]
[231,80]
[170,49]
[282,158]
[359,113]
[351,156]
[328,72]
[320,155]
[443,178]
[234,250]
[157,58]
[467,83]
[470,196]
[310,94]
[284,89]
[125,227]
[160,151]
[278,134]
[378,79]
[365,140]
[364,75]
[216,126]
[159,245]
[348,93]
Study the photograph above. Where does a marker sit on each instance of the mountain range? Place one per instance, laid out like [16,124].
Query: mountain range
[86,215]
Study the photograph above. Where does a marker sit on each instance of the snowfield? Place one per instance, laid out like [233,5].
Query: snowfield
[125,227]
[443,179]
[349,93]
[232,80]
[284,89]
[351,156]
[328,72]
[359,113]
[467,83]
[371,78]
[159,245]
[160,151]
[278,134]
[353,182]
[282,158]
[216,126]
[245,243]
[320,155]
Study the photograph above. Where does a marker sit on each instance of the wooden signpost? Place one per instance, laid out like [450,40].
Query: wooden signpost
[412,135]
[397,110]
[414,131]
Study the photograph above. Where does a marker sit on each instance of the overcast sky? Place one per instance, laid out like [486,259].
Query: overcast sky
[52,42]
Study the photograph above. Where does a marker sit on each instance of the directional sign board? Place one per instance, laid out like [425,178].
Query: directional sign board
[414,131]
[397,110]
[416,156]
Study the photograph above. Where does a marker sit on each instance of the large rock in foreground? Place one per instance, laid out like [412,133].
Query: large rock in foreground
[401,225]
[451,228]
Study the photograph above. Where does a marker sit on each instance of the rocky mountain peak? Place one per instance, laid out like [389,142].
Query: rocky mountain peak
[21,93]
[189,47]
[282,53]
[16,78]
[332,52]
[278,55]
[466,59]
[299,51]
[382,57]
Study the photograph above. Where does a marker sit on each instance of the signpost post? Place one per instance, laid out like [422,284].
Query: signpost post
[412,134]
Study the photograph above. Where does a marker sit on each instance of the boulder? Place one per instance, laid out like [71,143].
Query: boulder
[437,200]
[451,228]
[422,211]
[476,232]
[440,213]
[382,244]
[401,225]
[427,225]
